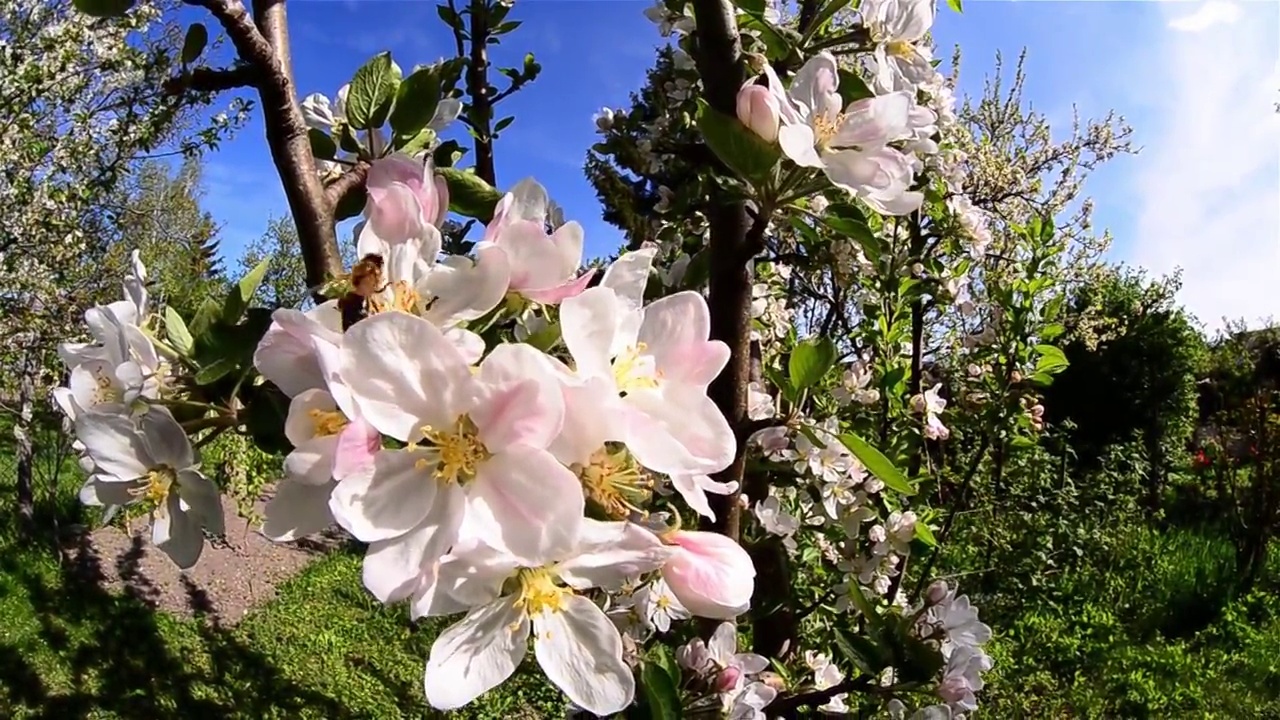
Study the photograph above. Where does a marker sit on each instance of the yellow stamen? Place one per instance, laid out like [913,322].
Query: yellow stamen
[327,422]
[106,391]
[900,48]
[456,453]
[403,298]
[634,370]
[614,482]
[160,481]
[539,591]
[825,129]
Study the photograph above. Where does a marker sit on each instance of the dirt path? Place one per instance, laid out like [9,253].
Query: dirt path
[225,584]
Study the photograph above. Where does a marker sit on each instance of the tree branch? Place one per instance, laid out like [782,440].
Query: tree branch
[205,79]
[336,191]
[264,46]
[478,90]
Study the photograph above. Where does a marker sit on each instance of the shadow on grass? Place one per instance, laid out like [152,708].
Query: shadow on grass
[85,651]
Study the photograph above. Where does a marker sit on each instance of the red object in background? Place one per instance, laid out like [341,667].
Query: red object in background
[1201,460]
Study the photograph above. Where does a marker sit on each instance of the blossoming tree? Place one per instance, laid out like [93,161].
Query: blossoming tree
[592,457]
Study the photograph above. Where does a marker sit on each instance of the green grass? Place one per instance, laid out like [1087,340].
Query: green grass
[322,649]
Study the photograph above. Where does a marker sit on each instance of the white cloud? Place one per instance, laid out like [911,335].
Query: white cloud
[1213,12]
[1208,179]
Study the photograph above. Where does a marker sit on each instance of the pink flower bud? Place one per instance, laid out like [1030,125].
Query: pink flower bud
[758,110]
[711,575]
[728,679]
[937,592]
[404,196]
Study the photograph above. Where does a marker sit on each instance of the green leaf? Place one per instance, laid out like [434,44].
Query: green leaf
[415,144]
[449,16]
[447,154]
[698,271]
[777,44]
[348,141]
[503,124]
[1052,360]
[194,43]
[351,204]
[810,361]
[204,317]
[860,601]
[416,102]
[322,144]
[662,657]
[661,698]
[177,332]
[238,299]
[746,153]
[546,338]
[1052,330]
[215,371]
[956,5]
[103,8]
[372,89]
[860,651]
[853,87]
[755,7]
[879,465]
[925,534]
[469,195]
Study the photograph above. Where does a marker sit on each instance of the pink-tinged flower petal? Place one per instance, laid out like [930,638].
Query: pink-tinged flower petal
[560,293]
[609,553]
[590,325]
[677,430]
[529,413]
[675,331]
[694,489]
[394,569]
[405,374]
[628,276]
[591,412]
[476,654]
[535,262]
[388,500]
[524,502]
[580,651]
[442,197]
[296,511]
[568,241]
[357,444]
[286,356]
[464,289]
[711,575]
[311,463]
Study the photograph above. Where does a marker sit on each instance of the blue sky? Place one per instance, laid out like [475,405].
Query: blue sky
[1197,80]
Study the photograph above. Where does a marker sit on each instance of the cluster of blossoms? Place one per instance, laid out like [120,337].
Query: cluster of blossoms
[487,476]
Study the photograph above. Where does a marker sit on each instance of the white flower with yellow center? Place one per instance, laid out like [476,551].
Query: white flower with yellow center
[151,460]
[903,59]
[576,644]
[651,365]
[476,445]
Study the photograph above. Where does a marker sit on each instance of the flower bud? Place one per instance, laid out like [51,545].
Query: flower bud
[711,575]
[604,120]
[773,680]
[937,592]
[758,110]
[728,679]
[756,62]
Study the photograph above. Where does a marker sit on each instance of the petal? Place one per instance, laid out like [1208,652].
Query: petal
[711,575]
[114,445]
[693,495]
[528,413]
[875,121]
[468,344]
[357,444]
[299,426]
[394,569]
[590,412]
[677,430]
[559,293]
[329,359]
[628,276]
[474,571]
[464,289]
[568,241]
[165,440]
[311,463]
[611,552]
[476,654]
[97,493]
[285,355]
[390,499]
[203,499]
[177,533]
[404,374]
[581,653]
[534,261]
[297,510]
[797,143]
[590,325]
[528,504]
[675,331]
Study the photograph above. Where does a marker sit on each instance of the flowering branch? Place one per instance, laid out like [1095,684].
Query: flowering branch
[264,46]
